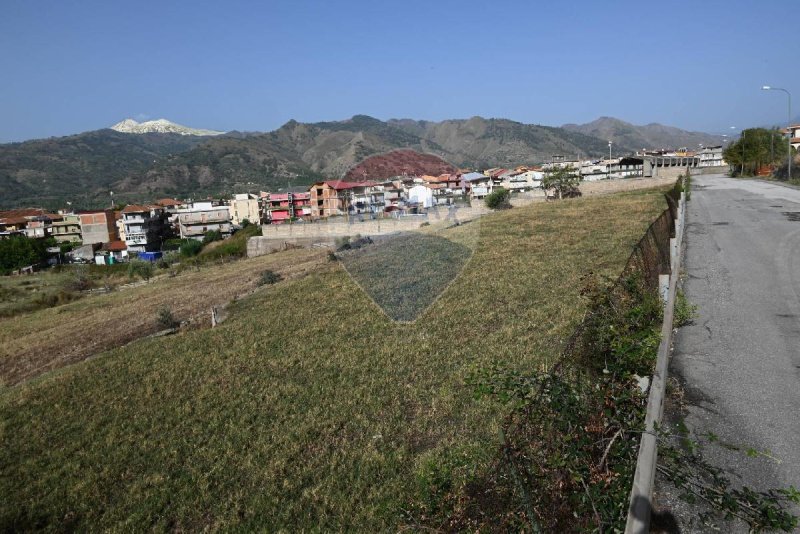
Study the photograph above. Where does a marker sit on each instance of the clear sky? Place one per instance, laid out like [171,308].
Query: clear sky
[67,67]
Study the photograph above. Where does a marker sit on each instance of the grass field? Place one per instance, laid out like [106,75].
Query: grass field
[309,408]
[33,343]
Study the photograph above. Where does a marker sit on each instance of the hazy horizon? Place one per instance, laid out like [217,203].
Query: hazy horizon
[253,67]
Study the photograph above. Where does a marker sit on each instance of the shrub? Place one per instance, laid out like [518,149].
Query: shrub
[269,277]
[499,199]
[140,268]
[190,248]
[210,237]
[165,319]
[80,281]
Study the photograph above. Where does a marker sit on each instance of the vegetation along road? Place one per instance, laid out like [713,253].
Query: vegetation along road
[740,360]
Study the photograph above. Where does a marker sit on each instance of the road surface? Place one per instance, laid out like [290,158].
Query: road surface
[740,360]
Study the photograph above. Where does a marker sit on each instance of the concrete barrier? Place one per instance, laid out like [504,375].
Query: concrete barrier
[640,505]
[281,236]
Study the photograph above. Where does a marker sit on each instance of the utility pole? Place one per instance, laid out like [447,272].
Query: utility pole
[743,138]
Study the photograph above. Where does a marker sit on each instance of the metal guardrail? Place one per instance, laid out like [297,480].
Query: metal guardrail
[640,506]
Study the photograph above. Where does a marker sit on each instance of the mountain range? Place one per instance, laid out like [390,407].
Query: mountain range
[651,136]
[83,168]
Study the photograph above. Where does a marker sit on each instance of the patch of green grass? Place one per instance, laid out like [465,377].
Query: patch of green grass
[23,294]
[306,409]
[405,274]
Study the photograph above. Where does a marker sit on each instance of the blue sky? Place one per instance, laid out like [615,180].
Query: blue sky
[69,67]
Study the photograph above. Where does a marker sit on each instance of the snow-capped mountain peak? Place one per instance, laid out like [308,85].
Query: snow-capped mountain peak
[159,126]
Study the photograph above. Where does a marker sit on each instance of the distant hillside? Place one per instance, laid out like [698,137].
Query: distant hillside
[400,162]
[653,136]
[83,168]
[482,143]
[51,171]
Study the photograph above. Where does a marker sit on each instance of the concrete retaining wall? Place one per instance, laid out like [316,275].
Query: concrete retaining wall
[280,236]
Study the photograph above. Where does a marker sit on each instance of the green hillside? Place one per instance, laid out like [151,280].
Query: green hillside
[308,409]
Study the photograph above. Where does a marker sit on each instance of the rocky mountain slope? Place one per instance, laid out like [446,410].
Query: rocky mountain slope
[631,137]
[397,163]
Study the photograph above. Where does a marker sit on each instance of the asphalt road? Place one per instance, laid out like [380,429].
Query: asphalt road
[740,360]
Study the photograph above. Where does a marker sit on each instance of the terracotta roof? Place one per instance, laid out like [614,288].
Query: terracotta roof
[137,208]
[115,246]
[341,184]
[26,214]
[167,202]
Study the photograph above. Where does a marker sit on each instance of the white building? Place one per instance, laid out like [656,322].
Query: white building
[711,156]
[522,181]
[422,196]
[244,206]
[144,227]
[196,219]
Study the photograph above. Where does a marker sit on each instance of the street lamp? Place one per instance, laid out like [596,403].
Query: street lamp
[789,124]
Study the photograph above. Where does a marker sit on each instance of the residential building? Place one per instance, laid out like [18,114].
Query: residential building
[145,227]
[627,167]
[336,198]
[421,196]
[196,219]
[98,226]
[68,229]
[120,224]
[244,206]
[112,252]
[41,226]
[794,136]
[522,180]
[283,207]
[479,184]
[711,156]
[32,222]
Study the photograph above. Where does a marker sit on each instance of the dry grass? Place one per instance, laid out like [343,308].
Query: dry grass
[308,409]
[48,339]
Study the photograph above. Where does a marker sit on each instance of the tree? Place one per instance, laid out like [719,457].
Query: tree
[499,199]
[19,251]
[562,180]
[755,148]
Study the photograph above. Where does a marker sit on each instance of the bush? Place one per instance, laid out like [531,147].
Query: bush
[499,199]
[165,320]
[190,248]
[81,281]
[269,277]
[140,268]
[210,237]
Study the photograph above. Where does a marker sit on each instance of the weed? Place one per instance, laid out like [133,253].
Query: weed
[165,319]
[685,311]
[269,277]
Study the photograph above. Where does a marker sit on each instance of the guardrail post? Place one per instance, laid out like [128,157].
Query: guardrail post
[663,287]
